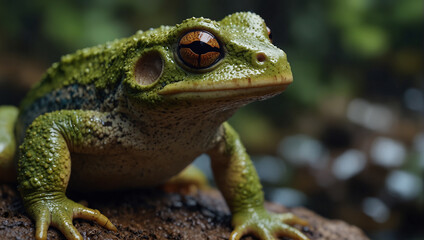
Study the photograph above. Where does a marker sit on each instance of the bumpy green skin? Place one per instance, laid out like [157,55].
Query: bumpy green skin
[47,146]
[122,133]
[45,167]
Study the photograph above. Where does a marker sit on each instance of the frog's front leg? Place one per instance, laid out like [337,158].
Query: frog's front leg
[44,168]
[239,183]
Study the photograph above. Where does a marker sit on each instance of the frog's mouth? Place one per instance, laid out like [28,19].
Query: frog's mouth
[246,87]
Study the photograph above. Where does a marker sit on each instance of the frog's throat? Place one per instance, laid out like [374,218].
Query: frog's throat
[275,83]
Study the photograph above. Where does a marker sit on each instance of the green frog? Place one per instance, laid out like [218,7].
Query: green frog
[136,112]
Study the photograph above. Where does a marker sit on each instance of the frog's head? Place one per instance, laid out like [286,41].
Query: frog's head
[201,59]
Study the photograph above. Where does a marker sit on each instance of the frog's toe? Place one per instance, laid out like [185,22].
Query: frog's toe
[291,219]
[268,232]
[266,226]
[94,215]
[65,225]
[63,221]
[60,213]
[238,232]
[261,233]
[285,230]
[42,224]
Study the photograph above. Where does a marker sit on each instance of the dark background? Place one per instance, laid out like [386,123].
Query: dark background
[347,137]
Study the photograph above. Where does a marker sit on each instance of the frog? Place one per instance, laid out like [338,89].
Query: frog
[135,112]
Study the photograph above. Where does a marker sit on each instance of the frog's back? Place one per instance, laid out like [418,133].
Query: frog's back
[87,79]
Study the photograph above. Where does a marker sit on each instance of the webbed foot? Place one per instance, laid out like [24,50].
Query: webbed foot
[266,226]
[59,211]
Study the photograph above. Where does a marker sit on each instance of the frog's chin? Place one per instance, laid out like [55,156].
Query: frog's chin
[261,88]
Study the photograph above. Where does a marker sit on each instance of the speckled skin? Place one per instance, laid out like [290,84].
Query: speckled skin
[91,116]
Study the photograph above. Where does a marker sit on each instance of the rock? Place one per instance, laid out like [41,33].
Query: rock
[154,214]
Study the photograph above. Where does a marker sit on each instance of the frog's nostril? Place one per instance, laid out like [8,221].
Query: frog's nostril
[261,57]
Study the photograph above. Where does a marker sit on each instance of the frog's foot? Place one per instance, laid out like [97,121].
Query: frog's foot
[59,213]
[189,181]
[266,226]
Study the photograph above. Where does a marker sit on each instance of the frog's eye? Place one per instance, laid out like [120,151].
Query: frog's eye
[269,33]
[199,49]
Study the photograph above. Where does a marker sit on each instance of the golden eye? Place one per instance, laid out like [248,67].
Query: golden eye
[199,49]
[269,33]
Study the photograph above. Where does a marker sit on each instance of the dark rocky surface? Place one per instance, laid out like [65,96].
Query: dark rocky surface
[154,214]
